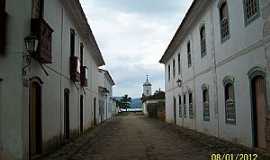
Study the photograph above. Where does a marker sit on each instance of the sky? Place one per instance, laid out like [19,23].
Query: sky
[132,36]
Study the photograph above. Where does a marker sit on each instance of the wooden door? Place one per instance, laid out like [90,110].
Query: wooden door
[66,114]
[259,111]
[95,110]
[174,110]
[81,113]
[35,137]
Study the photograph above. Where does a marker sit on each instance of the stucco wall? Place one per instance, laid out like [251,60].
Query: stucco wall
[235,57]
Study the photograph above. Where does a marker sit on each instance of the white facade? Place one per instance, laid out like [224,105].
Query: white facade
[105,84]
[246,50]
[15,86]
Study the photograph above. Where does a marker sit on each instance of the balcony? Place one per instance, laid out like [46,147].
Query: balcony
[84,76]
[75,69]
[3,17]
[43,31]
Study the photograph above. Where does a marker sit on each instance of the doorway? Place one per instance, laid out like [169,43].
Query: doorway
[35,125]
[81,113]
[66,114]
[174,110]
[95,110]
[259,111]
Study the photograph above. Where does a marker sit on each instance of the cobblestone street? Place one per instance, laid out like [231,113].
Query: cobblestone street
[135,137]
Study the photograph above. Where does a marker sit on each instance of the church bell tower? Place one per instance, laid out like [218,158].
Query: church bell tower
[147,87]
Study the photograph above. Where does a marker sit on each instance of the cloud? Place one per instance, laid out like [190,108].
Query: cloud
[132,36]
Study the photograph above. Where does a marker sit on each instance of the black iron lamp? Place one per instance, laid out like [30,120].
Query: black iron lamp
[179,82]
[31,44]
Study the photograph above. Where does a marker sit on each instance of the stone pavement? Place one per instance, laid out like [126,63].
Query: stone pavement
[135,137]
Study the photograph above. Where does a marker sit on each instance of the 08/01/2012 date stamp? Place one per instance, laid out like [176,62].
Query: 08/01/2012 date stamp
[229,156]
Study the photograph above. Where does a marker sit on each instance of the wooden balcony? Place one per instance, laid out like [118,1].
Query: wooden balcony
[75,69]
[43,31]
[84,76]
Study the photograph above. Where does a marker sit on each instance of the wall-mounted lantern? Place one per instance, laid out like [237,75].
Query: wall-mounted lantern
[31,44]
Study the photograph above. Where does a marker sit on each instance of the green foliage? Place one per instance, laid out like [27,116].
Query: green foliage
[157,95]
[124,102]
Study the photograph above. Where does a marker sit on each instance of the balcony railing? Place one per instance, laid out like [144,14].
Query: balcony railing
[75,69]
[84,76]
[2,31]
[43,31]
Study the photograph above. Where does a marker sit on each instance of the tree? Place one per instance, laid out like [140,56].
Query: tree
[125,102]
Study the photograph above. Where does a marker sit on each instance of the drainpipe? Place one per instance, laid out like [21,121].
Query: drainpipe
[61,55]
[215,71]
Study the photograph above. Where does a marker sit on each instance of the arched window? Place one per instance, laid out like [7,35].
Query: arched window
[203,41]
[224,21]
[206,108]
[173,68]
[189,54]
[229,100]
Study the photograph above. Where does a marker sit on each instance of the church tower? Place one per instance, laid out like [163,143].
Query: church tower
[147,91]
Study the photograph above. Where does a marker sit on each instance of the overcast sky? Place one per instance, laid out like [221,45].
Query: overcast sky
[132,36]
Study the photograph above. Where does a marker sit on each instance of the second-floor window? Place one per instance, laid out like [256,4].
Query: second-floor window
[203,41]
[169,72]
[81,53]
[224,21]
[174,68]
[251,10]
[189,54]
[72,42]
[179,64]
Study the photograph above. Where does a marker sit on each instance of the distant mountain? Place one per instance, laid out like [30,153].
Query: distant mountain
[135,103]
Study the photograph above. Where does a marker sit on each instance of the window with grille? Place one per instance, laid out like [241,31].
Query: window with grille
[174,68]
[203,41]
[230,103]
[179,64]
[224,22]
[251,10]
[180,106]
[72,42]
[185,106]
[189,54]
[190,105]
[206,110]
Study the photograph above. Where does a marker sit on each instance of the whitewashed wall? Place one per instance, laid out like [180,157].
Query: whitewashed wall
[235,57]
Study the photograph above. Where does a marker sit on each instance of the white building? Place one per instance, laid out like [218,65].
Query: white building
[217,71]
[49,95]
[105,84]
